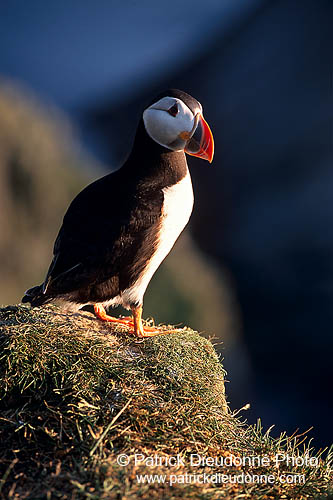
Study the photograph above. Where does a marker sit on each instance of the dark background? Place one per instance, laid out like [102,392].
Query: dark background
[264,213]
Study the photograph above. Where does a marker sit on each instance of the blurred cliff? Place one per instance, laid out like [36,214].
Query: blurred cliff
[262,70]
[38,177]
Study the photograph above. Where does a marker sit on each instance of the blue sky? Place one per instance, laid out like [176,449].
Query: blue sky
[70,51]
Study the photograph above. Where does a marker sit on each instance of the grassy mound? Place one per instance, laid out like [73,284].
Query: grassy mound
[76,393]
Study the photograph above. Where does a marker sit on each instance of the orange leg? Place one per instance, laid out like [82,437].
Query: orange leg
[136,322]
[145,331]
[101,314]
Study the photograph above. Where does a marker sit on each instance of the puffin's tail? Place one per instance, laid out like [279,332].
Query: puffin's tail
[35,296]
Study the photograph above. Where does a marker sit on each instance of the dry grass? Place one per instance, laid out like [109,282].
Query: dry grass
[75,393]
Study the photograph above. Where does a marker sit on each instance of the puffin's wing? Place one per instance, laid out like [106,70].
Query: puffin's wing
[102,228]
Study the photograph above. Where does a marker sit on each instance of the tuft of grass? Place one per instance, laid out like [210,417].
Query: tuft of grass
[75,393]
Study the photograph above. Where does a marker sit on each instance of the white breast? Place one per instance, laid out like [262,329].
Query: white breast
[176,211]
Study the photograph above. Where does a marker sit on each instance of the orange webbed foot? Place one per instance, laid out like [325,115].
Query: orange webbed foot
[146,331]
[102,315]
[135,323]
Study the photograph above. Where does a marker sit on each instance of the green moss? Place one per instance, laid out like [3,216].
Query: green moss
[76,392]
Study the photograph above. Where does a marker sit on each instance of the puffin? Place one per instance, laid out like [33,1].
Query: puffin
[118,230]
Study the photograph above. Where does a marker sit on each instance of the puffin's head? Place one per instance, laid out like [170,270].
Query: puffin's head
[174,120]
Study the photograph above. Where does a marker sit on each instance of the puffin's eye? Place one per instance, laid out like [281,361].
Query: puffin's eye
[173,111]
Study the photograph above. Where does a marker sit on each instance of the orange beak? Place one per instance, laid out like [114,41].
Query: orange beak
[201,144]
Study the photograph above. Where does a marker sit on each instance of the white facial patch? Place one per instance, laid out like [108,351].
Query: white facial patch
[163,127]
